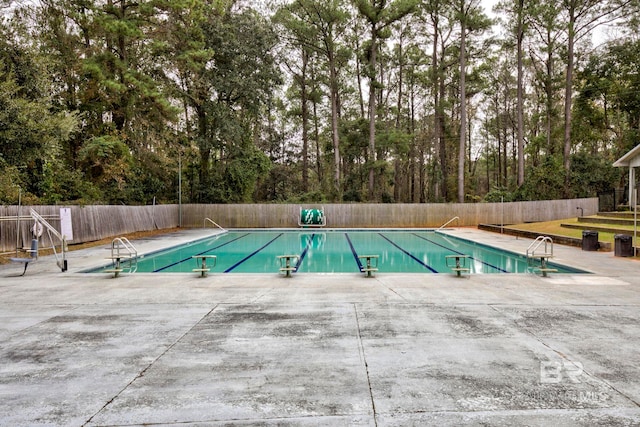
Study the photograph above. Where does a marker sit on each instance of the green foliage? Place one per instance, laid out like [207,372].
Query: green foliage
[311,197]
[499,194]
[608,97]
[241,175]
[10,184]
[393,140]
[107,163]
[243,79]
[98,100]
[31,133]
[245,69]
[155,177]
[545,182]
[62,185]
[591,175]
[237,182]
[353,135]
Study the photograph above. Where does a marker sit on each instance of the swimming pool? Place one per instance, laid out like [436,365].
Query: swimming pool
[335,251]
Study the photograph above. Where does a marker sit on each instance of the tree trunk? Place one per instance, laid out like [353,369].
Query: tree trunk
[305,121]
[435,67]
[372,111]
[444,194]
[549,101]
[463,106]
[520,94]
[400,83]
[316,138]
[334,127]
[400,194]
[205,152]
[359,79]
[566,155]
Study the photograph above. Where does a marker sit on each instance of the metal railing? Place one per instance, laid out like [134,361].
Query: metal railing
[204,225]
[122,247]
[62,263]
[123,255]
[449,222]
[537,261]
[532,250]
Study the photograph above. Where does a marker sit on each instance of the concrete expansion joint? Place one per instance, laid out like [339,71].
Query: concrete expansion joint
[366,365]
[272,352]
[386,286]
[153,362]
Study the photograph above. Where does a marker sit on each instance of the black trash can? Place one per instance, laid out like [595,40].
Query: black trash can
[623,245]
[590,240]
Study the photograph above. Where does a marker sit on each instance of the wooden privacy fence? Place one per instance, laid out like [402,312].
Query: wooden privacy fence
[369,215]
[89,223]
[92,223]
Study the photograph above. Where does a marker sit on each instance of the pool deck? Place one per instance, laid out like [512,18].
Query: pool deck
[321,349]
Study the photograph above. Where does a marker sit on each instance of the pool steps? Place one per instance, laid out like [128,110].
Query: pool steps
[538,253]
[369,267]
[285,264]
[458,263]
[124,256]
[203,268]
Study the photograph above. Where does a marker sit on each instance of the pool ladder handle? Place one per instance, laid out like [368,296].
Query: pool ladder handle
[122,249]
[460,265]
[546,244]
[203,269]
[285,264]
[369,268]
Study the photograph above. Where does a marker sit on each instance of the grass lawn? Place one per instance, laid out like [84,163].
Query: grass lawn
[553,227]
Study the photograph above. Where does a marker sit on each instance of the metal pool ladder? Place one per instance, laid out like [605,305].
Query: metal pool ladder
[124,257]
[538,253]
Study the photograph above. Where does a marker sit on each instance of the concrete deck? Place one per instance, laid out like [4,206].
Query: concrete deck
[321,349]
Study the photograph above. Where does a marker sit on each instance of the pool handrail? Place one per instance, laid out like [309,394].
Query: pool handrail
[122,252]
[204,225]
[547,244]
[449,222]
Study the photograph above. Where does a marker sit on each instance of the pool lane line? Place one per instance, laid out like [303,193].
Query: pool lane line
[304,252]
[353,251]
[228,270]
[460,253]
[418,260]
[201,253]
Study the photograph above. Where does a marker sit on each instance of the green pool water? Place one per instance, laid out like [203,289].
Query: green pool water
[335,251]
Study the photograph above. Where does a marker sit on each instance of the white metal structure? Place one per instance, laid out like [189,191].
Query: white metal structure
[124,257]
[60,260]
[538,253]
[449,222]
[204,225]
